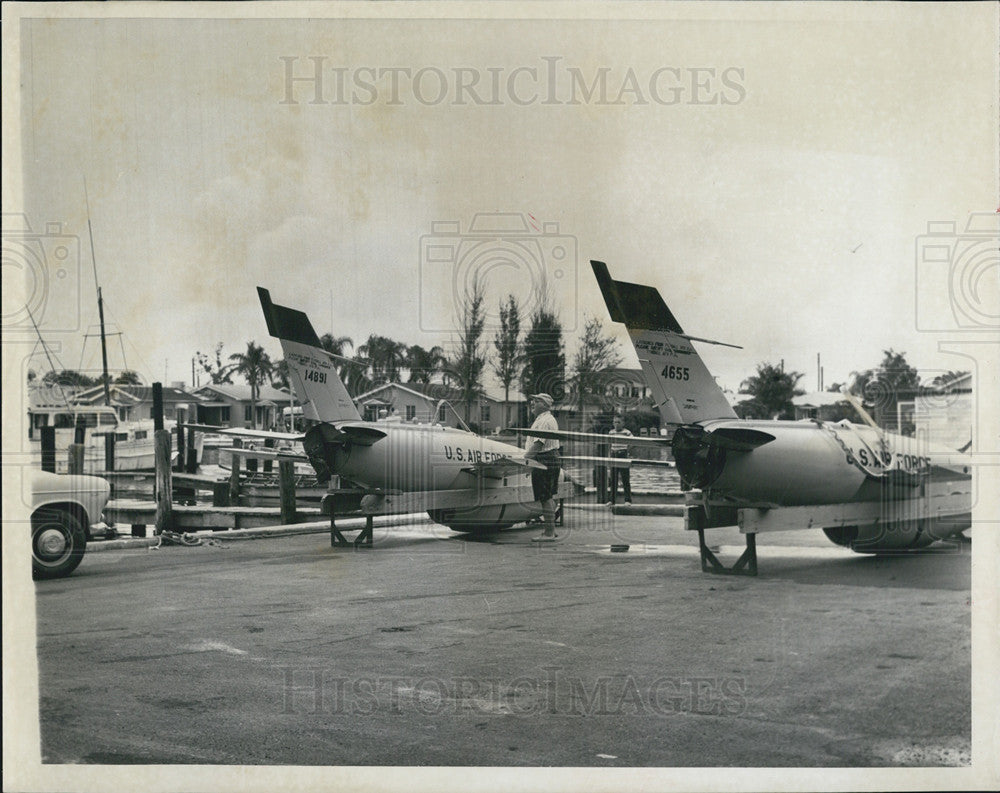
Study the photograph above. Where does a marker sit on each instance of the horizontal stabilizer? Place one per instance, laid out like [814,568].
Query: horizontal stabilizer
[362,435]
[738,439]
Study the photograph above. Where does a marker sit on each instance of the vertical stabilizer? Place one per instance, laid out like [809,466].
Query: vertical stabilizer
[314,378]
[683,389]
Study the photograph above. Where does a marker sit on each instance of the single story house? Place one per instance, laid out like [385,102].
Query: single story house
[229,405]
[135,402]
[428,403]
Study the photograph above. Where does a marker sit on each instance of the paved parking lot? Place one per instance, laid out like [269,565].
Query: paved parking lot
[437,649]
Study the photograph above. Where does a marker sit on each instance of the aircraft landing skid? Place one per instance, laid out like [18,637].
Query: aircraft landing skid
[745,565]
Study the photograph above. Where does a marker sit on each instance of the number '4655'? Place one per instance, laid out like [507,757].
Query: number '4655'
[676,373]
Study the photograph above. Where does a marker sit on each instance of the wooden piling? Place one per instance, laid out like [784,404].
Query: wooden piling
[75,465]
[192,452]
[268,464]
[220,493]
[109,451]
[286,489]
[48,441]
[234,476]
[164,482]
[181,447]
[157,406]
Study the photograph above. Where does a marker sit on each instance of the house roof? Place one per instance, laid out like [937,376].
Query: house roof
[496,395]
[624,373]
[241,393]
[430,392]
[134,394]
[433,392]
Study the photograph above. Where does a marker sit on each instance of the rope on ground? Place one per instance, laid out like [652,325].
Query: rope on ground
[167,537]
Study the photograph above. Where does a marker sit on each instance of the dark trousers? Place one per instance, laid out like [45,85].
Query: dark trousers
[626,479]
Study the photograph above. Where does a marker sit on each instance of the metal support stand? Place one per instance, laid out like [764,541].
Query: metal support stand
[364,539]
[337,539]
[558,517]
[745,565]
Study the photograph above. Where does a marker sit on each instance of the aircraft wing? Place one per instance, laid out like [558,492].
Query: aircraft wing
[594,437]
[620,462]
[238,432]
[504,466]
[265,454]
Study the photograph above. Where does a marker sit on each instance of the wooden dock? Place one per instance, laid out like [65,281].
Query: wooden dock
[139,514]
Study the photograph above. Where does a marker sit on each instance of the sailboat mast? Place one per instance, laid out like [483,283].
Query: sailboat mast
[100,304]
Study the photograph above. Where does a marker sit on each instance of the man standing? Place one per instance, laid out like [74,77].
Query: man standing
[544,483]
[619,448]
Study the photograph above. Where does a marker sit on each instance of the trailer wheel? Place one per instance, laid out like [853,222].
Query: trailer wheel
[58,542]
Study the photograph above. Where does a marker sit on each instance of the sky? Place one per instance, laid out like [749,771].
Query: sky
[771,171]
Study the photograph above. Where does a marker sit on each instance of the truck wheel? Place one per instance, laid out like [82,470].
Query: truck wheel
[58,542]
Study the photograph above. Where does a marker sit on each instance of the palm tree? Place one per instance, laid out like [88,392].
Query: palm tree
[337,345]
[256,367]
[423,364]
[385,358]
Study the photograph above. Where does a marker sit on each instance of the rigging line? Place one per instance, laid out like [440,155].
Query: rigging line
[90,230]
[121,342]
[142,360]
[46,349]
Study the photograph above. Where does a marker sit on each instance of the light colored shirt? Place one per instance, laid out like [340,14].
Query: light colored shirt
[617,446]
[546,421]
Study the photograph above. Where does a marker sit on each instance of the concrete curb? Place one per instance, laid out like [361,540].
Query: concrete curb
[312,527]
[669,510]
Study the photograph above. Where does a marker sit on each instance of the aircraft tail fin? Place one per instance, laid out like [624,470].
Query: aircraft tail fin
[314,378]
[683,389]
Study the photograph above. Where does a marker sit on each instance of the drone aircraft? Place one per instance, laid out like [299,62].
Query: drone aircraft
[462,480]
[867,489]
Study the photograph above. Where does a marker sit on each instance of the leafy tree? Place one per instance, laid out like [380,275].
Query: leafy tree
[213,366]
[507,342]
[68,377]
[256,367]
[596,354]
[544,359]
[772,389]
[423,364]
[880,389]
[469,361]
[947,378]
[128,377]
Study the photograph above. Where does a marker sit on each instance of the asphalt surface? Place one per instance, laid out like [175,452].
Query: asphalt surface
[436,649]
